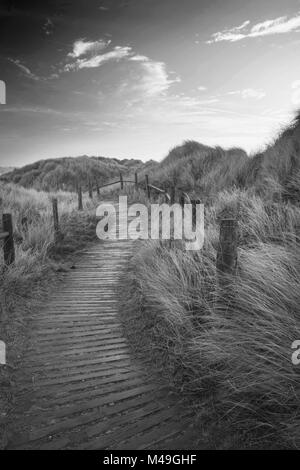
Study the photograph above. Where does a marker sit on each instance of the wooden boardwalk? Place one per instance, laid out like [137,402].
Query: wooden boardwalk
[80,387]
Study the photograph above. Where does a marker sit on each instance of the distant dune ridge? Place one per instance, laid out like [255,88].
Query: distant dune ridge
[192,167]
[4,169]
[67,172]
[205,170]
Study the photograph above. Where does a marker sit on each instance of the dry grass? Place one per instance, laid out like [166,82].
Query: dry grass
[231,360]
[39,260]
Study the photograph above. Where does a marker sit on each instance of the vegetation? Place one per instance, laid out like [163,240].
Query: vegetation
[230,357]
[4,169]
[66,173]
[205,171]
[39,262]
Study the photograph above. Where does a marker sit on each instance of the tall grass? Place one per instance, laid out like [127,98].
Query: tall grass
[36,206]
[229,357]
[232,360]
[39,260]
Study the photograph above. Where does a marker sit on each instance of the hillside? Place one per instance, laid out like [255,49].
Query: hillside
[228,356]
[67,172]
[205,171]
[4,170]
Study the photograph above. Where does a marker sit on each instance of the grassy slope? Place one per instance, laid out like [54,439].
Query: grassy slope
[24,285]
[4,170]
[66,173]
[232,360]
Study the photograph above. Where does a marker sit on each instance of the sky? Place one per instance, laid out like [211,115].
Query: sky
[134,78]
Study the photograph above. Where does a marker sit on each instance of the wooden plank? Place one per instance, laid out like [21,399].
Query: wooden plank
[85,388]
[72,423]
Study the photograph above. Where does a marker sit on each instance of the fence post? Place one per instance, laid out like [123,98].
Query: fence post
[121,181]
[8,246]
[80,206]
[227,250]
[136,180]
[194,203]
[24,223]
[90,189]
[97,189]
[182,200]
[55,219]
[172,195]
[147,186]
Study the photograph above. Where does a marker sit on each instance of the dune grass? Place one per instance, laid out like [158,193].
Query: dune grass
[232,360]
[39,261]
[228,356]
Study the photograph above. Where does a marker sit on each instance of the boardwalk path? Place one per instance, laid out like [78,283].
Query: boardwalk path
[80,387]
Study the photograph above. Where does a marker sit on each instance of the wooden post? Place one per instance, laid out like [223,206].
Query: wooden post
[227,250]
[24,223]
[136,180]
[90,189]
[97,189]
[80,206]
[8,245]
[172,195]
[55,218]
[147,186]
[121,181]
[194,203]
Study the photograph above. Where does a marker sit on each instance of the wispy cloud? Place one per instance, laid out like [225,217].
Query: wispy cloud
[154,79]
[97,60]
[92,54]
[25,70]
[48,27]
[249,93]
[281,25]
[146,77]
[32,110]
[82,47]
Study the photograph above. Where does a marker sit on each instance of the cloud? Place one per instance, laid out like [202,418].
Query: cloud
[33,110]
[249,93]
[24,69]
[97,60]
[82,47]
[139,58]
[146,77]
[153,78]
[48,27]
[296,93]
[296,84]
[202,88]
[281,25]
